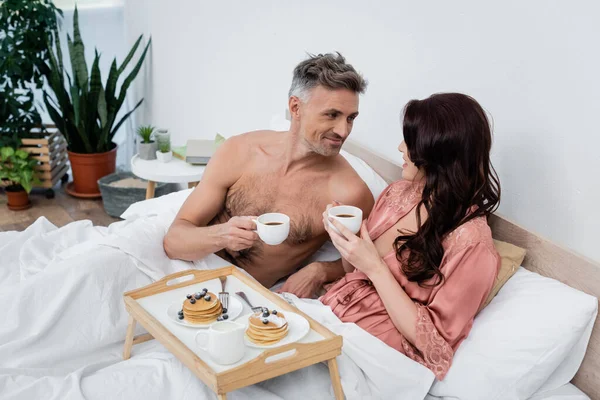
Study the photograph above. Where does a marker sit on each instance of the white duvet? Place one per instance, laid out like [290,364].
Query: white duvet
[63,324]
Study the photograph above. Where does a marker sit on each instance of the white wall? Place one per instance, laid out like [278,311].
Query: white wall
[535,66]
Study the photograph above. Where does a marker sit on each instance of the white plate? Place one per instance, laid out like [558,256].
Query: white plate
[234,311]
[298,327]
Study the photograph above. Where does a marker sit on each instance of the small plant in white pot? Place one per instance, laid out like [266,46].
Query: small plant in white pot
[147,147]
[163,139]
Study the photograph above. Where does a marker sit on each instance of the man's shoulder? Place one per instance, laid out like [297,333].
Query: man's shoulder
[239,145]
[255,137]
[250,140]
[346,181]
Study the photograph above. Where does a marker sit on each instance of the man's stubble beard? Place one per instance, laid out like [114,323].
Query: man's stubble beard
[321,150]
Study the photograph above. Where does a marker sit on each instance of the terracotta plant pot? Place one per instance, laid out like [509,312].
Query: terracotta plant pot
[18,199]
[87,169]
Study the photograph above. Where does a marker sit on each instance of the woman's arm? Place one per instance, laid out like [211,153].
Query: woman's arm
[400,307]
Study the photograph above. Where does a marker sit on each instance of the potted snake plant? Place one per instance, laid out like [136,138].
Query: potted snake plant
[85,109]
[18,175]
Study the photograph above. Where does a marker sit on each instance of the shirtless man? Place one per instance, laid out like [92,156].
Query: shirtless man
[297,173]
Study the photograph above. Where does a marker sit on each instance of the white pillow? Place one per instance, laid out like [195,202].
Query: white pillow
[566,392]
[533,328]
[373,180]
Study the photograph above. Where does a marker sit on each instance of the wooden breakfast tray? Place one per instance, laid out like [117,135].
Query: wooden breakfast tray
[146,306]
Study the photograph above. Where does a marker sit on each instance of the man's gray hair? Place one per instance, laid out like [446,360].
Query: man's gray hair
[328,70]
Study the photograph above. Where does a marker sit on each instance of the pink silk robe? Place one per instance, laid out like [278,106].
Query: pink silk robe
[445,312]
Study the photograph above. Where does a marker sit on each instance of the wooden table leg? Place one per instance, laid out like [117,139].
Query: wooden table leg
[192,185]
[150,189]
[334,373]
[142,338]
[222,396]
[129,338]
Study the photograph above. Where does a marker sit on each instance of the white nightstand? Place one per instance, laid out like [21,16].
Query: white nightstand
[174,171]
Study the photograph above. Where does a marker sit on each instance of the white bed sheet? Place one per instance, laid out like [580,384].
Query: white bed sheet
[63,324]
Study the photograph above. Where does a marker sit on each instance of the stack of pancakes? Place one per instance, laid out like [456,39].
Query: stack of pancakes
[202,311]
[266,328]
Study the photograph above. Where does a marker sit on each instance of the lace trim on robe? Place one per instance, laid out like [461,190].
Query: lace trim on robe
[430,349]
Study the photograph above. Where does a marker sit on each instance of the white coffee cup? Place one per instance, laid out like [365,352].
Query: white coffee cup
[349,216]
[273,228]
[224,342]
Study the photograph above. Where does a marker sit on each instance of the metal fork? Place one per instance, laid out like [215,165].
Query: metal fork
[223,295]
[288,299]
[243,297]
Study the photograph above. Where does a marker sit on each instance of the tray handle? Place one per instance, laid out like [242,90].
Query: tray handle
[174,281]
[272,357]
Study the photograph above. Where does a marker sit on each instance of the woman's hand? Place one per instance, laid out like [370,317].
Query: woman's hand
[358,251]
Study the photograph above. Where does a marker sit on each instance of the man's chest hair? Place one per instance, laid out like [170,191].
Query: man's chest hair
[302,204]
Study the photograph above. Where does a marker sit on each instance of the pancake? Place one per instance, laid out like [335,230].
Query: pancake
[201,311]
[266,328]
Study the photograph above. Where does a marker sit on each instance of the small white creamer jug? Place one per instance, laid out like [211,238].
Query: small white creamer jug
[224,342]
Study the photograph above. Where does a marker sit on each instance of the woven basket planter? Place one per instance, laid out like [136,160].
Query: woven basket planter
[117,199]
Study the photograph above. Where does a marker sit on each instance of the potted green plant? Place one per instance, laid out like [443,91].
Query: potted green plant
[163,139]
[147,147]
[18,174]
[85,110]
[25,29]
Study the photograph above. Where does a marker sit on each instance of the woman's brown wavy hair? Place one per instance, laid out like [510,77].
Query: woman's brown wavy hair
[448,137]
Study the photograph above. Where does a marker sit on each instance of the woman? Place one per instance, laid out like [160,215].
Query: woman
[425,261]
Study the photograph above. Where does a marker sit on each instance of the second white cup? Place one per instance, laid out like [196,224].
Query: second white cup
[349,216]
[273,228]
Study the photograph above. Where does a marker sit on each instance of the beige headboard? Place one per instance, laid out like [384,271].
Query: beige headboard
[543,257]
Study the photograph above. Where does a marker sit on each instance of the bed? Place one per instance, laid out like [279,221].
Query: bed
[64,321]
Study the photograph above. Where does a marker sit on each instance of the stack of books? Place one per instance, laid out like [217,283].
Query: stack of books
[197,152]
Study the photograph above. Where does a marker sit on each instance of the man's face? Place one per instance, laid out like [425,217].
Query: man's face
[326,119]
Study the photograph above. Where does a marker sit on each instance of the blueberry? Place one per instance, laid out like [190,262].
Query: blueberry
[207,297]
[192,301]
[189,296]
[197,296]
[219,318]
[204,290]
[225,316]
[224,310]
[274,312]
[265,321]
[266,314]
[180,312]
[181,316]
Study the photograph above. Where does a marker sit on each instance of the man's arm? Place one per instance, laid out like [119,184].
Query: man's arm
[346,266]
[309,281]
[189,238]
